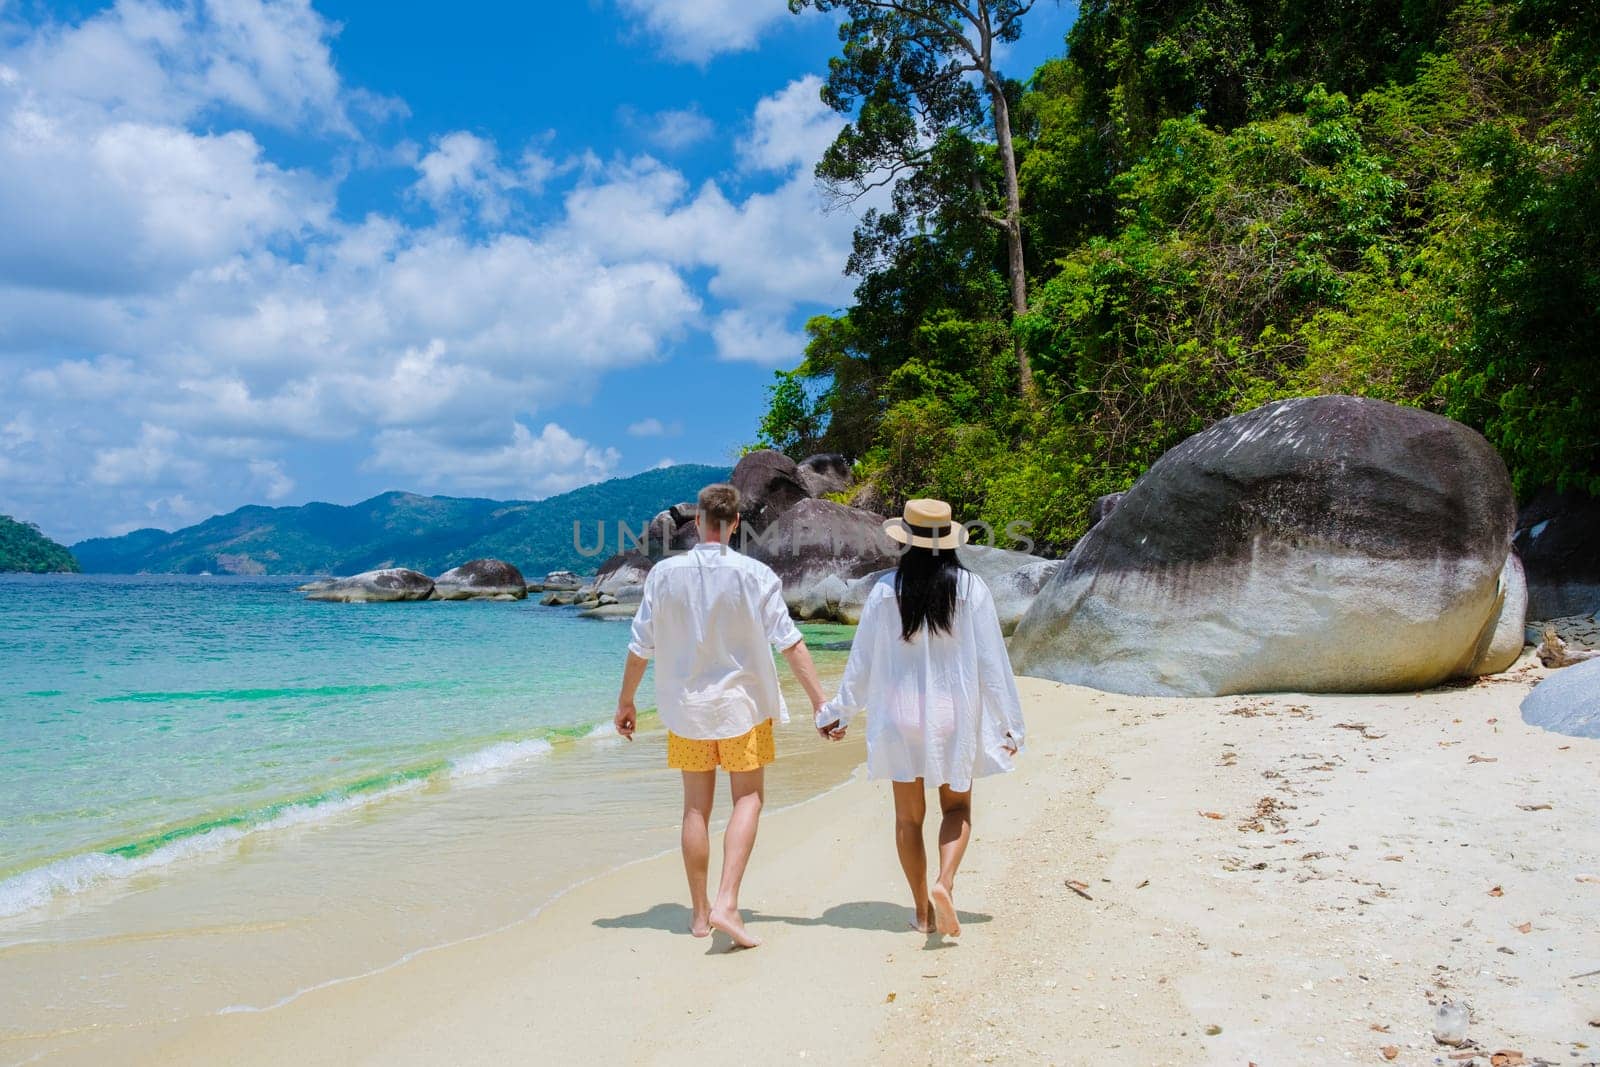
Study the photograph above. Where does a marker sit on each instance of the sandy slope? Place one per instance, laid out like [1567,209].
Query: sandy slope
[1350,882]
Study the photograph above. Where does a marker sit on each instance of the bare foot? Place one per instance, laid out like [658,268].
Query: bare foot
[700,924]
[944,911]
[922,921]
[731,923]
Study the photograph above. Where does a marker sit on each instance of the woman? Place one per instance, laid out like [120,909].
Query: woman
[930,664]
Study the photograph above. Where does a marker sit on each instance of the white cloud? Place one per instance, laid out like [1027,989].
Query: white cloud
[792,128]
[464,171]
[698,30]
[653,427]
[270,477]
[529,464]
[155,458]
[772,250]
[145,60]
[672,130]
[180,311]
[743,337]
[123,206]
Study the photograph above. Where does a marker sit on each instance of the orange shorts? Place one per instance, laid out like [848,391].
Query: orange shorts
[747,752]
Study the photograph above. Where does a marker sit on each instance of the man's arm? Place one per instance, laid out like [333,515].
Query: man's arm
[799,657]
[632,674]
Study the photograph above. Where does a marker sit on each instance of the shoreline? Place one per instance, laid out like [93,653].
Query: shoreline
[1211,927]
[243,919]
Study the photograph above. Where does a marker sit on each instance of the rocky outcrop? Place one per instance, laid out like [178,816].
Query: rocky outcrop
[1558,538]
[826,472]
[1567,702]
[815,540]
[672,530]
[1324,544]
[560,579]
[1102,507]
[1502,643]
[769,484]
[1014,578]
[481,579]
[1563,642]
[372,587]
[622,577]
[1015,591]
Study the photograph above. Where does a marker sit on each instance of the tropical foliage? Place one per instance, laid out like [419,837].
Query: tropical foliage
[1227,203]
[24,548]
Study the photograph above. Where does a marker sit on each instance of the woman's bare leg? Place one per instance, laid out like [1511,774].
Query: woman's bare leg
[738,841]
[699,789]
[910,808]
[955,830]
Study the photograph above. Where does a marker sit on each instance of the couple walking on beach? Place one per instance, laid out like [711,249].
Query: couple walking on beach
[928,663]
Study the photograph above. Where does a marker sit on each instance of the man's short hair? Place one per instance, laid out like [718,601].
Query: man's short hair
[719,505]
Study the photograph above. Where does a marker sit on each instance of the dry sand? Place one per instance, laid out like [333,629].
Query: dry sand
[1268,880]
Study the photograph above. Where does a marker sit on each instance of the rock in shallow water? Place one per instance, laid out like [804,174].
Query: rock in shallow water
[1325,544]
[481,579]
[1567,702]
[374,587]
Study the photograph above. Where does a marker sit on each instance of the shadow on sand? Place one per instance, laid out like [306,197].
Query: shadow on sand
[855,915]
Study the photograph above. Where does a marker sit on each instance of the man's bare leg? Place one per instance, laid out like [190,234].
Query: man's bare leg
[737,843]
[910,808]
[699,790]
[954,832]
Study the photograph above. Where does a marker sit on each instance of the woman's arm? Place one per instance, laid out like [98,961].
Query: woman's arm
[833,718]
[996,681]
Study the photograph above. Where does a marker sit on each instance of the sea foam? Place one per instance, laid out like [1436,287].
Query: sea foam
[499,756]
[76,874]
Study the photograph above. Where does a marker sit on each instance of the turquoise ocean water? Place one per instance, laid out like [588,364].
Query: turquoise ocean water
[148,717]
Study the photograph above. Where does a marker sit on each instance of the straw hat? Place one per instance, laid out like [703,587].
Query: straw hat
[926,524]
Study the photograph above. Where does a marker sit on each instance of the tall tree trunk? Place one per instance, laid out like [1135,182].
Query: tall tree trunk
[1015,264]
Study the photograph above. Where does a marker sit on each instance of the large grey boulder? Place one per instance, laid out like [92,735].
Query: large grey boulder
[769,484]
[561,580]
[1502,643]
[817,539]
[481,579]
[622,576]
[1015,591]
[1014,578]
[1102,507]
[672,530]
[826,472]
[376,587]
[1323,544]
[1567,702]
[1558,538]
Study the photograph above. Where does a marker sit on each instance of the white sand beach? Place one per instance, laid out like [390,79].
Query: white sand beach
[1268,880]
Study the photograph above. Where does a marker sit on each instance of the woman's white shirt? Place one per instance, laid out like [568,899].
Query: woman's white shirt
[942,707]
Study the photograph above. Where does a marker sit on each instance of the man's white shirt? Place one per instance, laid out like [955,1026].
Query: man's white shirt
[710,619]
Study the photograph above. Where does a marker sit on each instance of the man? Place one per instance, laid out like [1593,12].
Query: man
[707,618]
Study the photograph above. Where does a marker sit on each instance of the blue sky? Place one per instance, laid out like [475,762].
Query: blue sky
[267,251]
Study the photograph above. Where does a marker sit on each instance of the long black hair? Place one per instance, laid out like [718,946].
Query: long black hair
[925,584]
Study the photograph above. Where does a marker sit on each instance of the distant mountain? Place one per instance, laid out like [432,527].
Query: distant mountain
[24,548]
[429,533]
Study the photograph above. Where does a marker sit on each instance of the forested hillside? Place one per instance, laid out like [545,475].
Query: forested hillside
[24,548]
[429,533]
[1223,203]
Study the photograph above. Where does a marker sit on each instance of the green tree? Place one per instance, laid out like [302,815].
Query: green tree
[917,119]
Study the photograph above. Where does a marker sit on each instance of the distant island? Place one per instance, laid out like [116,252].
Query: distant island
[23,548]
[429,533]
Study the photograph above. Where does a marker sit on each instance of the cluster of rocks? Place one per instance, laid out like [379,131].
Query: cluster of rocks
[479,579]
[827,553]
[614,593]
